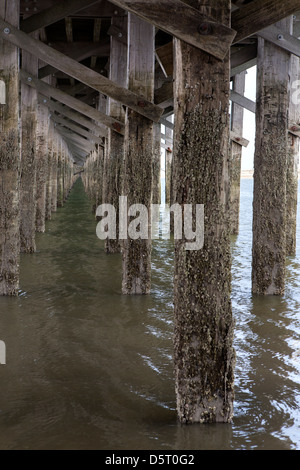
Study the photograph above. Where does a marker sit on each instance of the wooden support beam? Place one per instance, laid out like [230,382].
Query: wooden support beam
[73,103]
[184,22]
[292,165]
[282,39]
[236,137]
[80,72]
[57,12]
[114,161]
[42,167]
[258,15]
[203,341]
[242,101]
[138,155]
[168,145]
[164,95]
[270,168]
[10,158]
[237,121]
[29,118]
[77,118]
[156,166]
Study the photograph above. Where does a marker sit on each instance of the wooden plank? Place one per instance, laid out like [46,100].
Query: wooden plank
[239,140]
[80,72]
[282,39]
[184,22]
[73,116]
[243,101]
[258,15]
[55,13]
[167,123]
[72,102]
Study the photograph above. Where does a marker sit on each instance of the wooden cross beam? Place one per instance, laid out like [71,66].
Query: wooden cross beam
[281,39]
[66,112]
[243,101]
[80,142]
[184,22]
[258,15]
[77,129]
[57,12]
[72,102]
[80,72]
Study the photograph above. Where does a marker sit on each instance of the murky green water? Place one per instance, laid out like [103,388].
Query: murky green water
[88,368]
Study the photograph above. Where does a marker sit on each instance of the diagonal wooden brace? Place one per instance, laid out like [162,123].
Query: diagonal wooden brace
[80,72]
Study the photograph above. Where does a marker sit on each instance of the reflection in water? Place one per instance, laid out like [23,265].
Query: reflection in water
[88,368]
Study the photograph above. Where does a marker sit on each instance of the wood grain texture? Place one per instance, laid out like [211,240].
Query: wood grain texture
[258,15]
[182,21]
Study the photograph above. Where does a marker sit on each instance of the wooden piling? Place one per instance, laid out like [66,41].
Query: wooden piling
[292,165]
[203,352]
[139,154]
[9,157]
[168,164]
[156,175]
[55,169]
[42,167]
[116,149]
[270,168]
[237,121]
[29,154]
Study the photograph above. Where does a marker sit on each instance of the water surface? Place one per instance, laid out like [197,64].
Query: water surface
[88,368]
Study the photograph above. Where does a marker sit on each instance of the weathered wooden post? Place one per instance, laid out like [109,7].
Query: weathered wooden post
[292,163]
[60,175]
[204,354]
[9,156]
[237,121]
[115,147]
[156,192]
[28,162]
[51,164]
[270,168]
[42,166]
[168,165]
[55,169]
[139,154]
